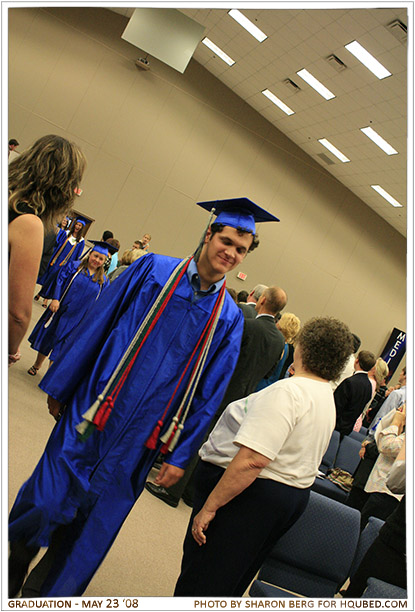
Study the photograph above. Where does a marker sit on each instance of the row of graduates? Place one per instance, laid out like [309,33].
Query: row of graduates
[73,286]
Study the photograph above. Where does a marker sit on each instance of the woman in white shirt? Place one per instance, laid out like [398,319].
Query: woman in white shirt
[258,465]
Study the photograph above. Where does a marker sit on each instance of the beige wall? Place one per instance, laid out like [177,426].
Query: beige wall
[158,141]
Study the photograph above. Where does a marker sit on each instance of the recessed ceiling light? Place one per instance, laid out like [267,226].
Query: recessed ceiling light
[315,84]
[247,24]
[374,136]
[334,150]
[386,195]
[367,60]
[219,52]
[287,110]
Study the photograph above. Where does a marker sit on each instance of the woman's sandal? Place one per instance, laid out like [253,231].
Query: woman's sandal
[37,298]
[33,370]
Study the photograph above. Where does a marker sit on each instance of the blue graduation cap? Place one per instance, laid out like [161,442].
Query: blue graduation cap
[81,219]
[240,213]
[103,247]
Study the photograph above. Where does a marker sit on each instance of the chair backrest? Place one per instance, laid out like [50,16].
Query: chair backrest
[348,454]
[367,537]
[363,430]
[377,589]
[331,452]
[315,555]
[356,435]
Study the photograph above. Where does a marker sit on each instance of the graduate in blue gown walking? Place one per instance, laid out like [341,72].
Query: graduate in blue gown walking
[143,374]
[77,287]
[69,247]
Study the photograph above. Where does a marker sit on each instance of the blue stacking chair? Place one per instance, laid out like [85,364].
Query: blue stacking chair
[329,456]
[315,555]
[357,435]
[377,589]
[367,537]
[347,459]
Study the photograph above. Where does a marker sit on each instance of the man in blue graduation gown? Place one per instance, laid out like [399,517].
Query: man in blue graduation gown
[83,489]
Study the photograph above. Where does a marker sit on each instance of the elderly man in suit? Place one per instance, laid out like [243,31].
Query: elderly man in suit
[352,395]
[261,348]
[248,309]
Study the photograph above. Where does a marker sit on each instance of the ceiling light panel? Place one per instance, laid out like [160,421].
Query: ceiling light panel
[315,84]
[247,24]
[334,150]
[367,60]
[223,56]
[387,196]
[287,110]
[379,141]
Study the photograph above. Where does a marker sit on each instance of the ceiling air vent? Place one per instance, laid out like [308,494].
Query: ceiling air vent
[325,159]
[399,30]
[291,85]
[336,63]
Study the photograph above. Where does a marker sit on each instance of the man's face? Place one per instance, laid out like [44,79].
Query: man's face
[402,378]
[226,249]
[136,245]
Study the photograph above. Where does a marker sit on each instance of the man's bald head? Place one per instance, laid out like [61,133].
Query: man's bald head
[272,301]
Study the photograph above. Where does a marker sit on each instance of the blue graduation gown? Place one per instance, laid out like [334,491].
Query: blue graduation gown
[82,293]
[48,279]
[98,481]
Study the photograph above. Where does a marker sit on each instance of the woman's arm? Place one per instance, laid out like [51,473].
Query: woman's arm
[25,252]
[241,472]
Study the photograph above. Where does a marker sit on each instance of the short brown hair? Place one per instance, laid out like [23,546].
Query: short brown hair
[366,360]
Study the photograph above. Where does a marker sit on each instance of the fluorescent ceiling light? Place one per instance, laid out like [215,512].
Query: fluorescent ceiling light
[386,195]
[315,84]
[287,110]
[218,51]
[248,25]
[367,59]
[333,149]
[385,146]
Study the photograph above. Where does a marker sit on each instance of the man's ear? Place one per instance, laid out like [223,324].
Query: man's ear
[208,236]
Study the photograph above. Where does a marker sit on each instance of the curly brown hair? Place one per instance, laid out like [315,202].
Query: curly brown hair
[325,344]
[45,177]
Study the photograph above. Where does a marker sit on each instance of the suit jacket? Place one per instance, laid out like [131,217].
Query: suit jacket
[350,397]
[248,310]
[261,348]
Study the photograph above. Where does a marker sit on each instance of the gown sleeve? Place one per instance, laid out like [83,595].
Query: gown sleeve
[72,366]
[63,279]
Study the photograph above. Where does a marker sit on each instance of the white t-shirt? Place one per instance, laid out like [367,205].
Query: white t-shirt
[290,422]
